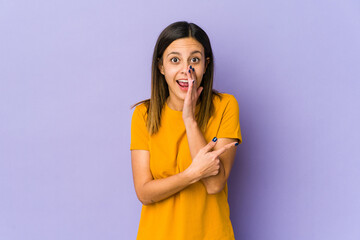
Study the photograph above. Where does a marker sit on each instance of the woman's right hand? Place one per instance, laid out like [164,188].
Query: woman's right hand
[207,163]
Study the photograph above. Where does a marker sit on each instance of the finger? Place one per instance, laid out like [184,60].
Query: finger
[189,74]
[193,87]
[191,71]
[225,148]
[190,80]
[193,80]
[210,145]
[188,93]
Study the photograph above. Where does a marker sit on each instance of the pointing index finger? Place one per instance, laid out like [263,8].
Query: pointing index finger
[225,148]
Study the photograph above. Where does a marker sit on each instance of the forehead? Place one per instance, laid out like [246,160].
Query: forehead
[184,45]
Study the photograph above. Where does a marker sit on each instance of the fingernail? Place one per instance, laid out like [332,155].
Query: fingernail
[193,69]
[214,139]
[190,67]
[193,81]
[189,71]
[236,144]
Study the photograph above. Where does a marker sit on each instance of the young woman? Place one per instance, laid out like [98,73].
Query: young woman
[183,142]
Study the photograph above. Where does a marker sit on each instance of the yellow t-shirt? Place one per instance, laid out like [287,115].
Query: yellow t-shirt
[191,214]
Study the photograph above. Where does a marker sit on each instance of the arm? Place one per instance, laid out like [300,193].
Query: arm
[213,184]
[196,140]
[150,190]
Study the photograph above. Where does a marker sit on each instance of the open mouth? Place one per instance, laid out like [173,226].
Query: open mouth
[184,84]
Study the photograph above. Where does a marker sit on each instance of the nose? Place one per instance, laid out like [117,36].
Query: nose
[185,68]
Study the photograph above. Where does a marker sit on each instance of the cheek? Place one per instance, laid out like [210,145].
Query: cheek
[169,71]
[199,79]
[170,74]
[199,72]
[200,68]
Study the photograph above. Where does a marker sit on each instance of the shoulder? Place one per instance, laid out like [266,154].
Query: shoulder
[140,110]
[224,99]
[141,107]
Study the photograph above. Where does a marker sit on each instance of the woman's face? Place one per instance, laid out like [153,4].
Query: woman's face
[176,59]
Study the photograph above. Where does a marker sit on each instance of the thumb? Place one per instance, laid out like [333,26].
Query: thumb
[210,145]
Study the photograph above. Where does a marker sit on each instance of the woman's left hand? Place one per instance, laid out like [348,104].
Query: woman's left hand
[192,96]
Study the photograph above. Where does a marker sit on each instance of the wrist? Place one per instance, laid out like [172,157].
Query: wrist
[191,175]
[190,123]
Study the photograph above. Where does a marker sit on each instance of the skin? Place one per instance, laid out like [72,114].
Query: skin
[175,65]
[211,162]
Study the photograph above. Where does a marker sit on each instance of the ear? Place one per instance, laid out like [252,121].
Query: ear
[207,61]
[161,67]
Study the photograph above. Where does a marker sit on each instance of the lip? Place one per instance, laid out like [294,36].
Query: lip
[182,88]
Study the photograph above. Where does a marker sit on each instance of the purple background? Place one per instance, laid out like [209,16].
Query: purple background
[69,71]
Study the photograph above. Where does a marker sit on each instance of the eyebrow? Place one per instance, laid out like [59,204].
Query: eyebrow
[196,51]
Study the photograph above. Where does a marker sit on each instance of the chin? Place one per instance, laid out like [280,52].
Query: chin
[180,96]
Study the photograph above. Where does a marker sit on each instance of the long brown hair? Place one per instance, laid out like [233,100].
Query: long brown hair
[159,87]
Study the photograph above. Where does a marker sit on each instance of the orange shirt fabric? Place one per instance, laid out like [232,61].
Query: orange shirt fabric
[192,213]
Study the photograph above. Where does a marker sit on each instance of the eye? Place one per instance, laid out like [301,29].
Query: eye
[177,60]
[196,59]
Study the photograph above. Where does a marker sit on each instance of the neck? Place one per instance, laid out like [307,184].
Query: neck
[176,105]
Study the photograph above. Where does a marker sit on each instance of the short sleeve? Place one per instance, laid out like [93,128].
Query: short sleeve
[230,123]
[139,132]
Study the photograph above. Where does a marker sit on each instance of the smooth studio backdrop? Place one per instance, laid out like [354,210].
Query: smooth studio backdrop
[70,70]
